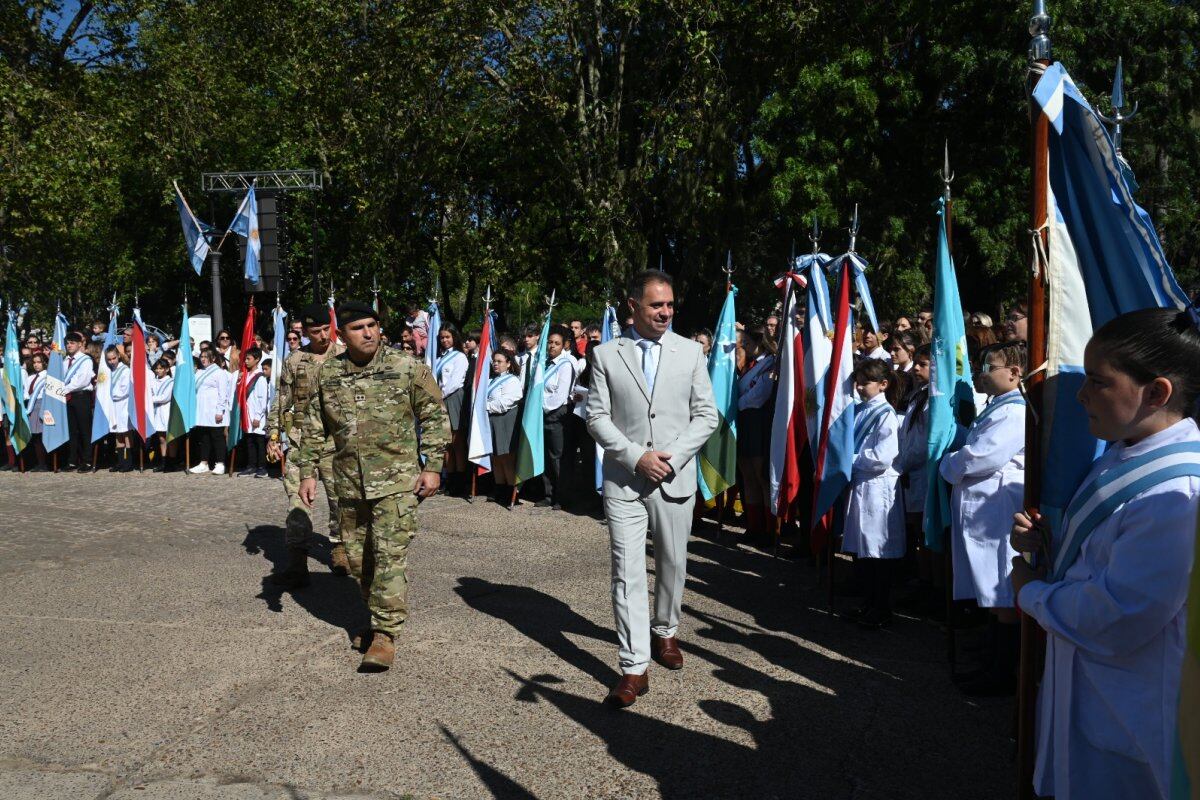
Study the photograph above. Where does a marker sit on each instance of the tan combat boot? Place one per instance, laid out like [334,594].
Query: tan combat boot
[379,655]
[339,562]
[295,575]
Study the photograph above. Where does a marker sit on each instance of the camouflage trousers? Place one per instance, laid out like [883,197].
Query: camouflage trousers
[376,534]
[298,531]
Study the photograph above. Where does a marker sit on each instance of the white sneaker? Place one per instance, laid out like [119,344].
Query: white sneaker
[219,469]
[200,468]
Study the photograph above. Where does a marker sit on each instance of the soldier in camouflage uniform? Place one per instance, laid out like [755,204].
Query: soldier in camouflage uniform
[297,385]
[369,405]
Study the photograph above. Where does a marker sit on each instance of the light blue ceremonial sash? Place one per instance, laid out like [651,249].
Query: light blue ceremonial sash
[39,389]
[443,361]
[74,368]
[496,384]
[866,421]
[1098,500]
[203,376]
[116,373]
[552,370]
[1008,400]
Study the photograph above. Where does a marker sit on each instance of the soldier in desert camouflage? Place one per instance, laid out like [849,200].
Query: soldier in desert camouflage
[370,403]
[297,385]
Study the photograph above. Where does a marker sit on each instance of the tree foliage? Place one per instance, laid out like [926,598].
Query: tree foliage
[555,144]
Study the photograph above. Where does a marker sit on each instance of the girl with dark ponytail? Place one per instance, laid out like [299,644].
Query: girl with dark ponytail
[1111,591]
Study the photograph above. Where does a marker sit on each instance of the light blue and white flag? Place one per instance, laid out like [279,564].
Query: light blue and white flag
[609,330]
[717,460]
[103,412]
[1104,259]
[479,440]
[950,393]
[245,224]
[194,232]
[279,350]
[14,387]
[835,449]
[531,453]
[435,330]
[818,342]
[54,400]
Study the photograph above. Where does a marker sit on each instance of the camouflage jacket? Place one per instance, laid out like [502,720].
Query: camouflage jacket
[297,385]
[367,419]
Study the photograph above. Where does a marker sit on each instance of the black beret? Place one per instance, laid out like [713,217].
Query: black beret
[315,314]
[352,312]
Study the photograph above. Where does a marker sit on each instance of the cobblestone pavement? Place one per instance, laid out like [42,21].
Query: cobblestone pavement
[145,657]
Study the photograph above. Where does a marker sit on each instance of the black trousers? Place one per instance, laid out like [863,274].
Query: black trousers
[554,438]
[256,451]
[211,442]
[79,428]
[878,573]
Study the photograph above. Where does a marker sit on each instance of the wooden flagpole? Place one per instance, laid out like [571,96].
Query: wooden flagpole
[1031,640]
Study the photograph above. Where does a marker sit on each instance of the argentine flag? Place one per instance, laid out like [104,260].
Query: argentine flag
[193,232]
[1104,259]
[54,401]
[103,413]
[609,329]
[245,224]
[531,451]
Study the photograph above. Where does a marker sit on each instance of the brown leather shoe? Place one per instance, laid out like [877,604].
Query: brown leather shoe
[379,655]
[628,690]
[339,562]
[665,650]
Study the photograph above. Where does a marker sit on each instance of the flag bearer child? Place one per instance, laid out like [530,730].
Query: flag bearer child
[874,528]
[256,416]
[160,409]
[988,476]
[119,384]
[1112,598]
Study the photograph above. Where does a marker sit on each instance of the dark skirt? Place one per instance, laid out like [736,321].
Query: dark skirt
[754,432]
[454,409]
[504,431]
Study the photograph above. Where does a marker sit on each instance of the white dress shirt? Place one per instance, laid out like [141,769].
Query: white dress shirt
[558,383]
[450,369]
[79,372]
[504,393]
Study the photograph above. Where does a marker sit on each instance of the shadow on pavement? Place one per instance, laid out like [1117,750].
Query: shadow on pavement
[333,599]
[542,618]
[499,784]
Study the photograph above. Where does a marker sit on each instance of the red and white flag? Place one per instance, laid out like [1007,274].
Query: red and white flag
[141,379]
[789,426]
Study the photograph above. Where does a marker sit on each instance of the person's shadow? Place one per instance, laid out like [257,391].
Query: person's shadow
[544,619]
[333,599]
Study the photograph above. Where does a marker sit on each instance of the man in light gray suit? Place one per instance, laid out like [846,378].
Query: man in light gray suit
[651,408]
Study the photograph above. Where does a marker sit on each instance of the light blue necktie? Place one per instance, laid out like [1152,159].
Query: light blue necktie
[648,366]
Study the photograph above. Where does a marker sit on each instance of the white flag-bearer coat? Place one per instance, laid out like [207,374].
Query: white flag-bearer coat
[119,386]
[257,402]
[213,396]
[875,513]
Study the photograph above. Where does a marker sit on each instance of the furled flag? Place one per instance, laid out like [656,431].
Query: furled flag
[194,232]
[333,332]
[950,394]
[245,224]
[789,424]
[239,421]
[1106,260]
[717,459]
[531,453]
[141,400]
[183,391]
[818,345]
[278,345]
[54,401]
[835,443]
[14,388]
[435,330]
[103,411]
[479,442]
[609,330]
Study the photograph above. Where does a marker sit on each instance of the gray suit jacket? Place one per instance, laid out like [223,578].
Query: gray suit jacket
[627,422]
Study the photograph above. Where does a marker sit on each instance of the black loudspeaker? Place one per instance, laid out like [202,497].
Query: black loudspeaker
[268,258]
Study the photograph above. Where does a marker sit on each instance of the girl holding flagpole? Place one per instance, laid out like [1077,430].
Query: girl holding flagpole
[212,414]
[1112,599]
[35,389]
[160,408]
[119,387]
[450,371]
[504,412]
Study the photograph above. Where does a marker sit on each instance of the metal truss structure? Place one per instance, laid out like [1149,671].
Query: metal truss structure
[278,180]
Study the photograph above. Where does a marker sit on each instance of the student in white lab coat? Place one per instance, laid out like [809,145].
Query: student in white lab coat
[1112,600]
[160,408]
[988,476]
[212,413]
[874,528]
[256,416]
[505,391]
[119,387]
[34,455]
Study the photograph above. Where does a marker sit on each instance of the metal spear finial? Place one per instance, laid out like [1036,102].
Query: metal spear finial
[1039,29]
[854,228]
[1118,103]
[550,300]
[728,265]
[947,175]
[487,297]
[815,236]
[331,297]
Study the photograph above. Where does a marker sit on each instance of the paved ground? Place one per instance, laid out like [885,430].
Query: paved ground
[144,659]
